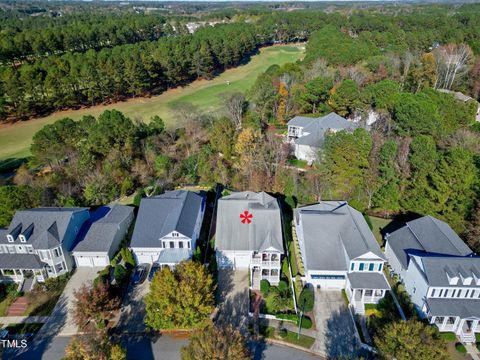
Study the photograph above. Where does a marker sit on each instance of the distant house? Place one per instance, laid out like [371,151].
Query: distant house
[441,274]
[37,243]
[307,135]
[339,251]
[103,233]
[464,98]
[249,235]
[167,227]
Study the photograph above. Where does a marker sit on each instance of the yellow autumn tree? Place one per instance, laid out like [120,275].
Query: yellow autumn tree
[282,104]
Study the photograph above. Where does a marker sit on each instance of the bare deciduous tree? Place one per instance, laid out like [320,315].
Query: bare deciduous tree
[234,103]
[452,61]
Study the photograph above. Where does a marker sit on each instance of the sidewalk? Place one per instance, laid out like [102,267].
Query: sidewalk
[5,320]
[473,351]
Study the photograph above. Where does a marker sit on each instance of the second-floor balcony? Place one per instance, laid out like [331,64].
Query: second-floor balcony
[266,260]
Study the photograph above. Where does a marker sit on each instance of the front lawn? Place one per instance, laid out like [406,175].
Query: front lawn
[24,328]
[43,298]
[378,224]
[270,332]
[302,164]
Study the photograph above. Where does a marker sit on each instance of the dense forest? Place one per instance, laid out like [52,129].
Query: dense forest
[110,61]
[421,155]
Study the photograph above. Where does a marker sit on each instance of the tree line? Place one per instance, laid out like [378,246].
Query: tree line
[109,74]
[30,38]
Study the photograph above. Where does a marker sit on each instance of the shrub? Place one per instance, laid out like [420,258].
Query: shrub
[127,257]
[306,299]
[460,348]
[138,197]
[56,284]
[306,322]
[283,286]
[264,287]
[283,333]
[120,274]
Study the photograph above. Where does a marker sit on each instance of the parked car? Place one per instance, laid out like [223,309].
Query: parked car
[140,274]
[155,268]
[4,334]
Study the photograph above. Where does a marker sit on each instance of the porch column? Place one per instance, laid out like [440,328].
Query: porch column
[474,325]
[458,323]
[432,320]
[363,294]
[1,270]
[444,323]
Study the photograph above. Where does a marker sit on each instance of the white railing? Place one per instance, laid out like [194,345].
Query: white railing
[266,263]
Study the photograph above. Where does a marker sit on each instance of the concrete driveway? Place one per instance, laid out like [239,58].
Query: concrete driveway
[232,297]
[132,313]
[63,311]
[335,327]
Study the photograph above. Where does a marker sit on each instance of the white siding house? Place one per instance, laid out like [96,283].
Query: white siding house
[167,227]
[249,235]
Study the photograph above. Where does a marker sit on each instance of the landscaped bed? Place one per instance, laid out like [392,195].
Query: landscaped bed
[8,293]
[270,332]
[43,298]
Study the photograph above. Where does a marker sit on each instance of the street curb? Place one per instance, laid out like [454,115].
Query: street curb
[280,342]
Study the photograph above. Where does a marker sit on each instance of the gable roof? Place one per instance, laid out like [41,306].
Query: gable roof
[263,232]
[160,215]
[426,235]
[319,126]
[49,226]
[333,234]
[99,235]
[301,121]
[436,269]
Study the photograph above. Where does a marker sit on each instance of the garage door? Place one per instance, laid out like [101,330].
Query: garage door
[242,261]
[100,261]
[83,261]
[149,259]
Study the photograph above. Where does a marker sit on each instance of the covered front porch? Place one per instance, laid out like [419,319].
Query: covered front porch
[461,316]
[258,274]
[365,288]
[18,267]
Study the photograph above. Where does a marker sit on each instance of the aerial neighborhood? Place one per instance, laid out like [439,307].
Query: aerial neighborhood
[239,180]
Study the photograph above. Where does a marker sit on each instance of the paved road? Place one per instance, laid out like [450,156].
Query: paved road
[163,348]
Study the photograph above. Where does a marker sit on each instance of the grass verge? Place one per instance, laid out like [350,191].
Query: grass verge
[291,337]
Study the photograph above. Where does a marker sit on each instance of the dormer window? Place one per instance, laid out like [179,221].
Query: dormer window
[452,280]
[467,280]
[10,238]
[22,238]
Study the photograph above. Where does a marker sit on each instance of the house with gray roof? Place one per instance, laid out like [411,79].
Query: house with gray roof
[167,227]
[440,272]
[249,235]
[38,241]
[339,251]
[463,98]
[307,135]
[101,235]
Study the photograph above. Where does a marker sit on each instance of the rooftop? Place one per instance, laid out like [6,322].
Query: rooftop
[160,215]
[426,235]
[334,231]
[249,221]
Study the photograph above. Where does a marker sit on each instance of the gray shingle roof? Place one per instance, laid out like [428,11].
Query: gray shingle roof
[173,256]
[368,280]
[464,308]
[160,215]
[330,237]
[301,121]
[426,235]
[264,230]
[436,269]
[319,126]
[20,261]
[101,233]
[49,226]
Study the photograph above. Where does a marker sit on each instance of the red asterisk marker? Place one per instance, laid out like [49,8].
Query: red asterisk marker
[246,217]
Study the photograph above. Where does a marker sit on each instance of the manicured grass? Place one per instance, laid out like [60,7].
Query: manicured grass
[378,224]
[24,328]
[460,348]
[15,139]
[345,297]
[5,304]
[304,340]
[448,336]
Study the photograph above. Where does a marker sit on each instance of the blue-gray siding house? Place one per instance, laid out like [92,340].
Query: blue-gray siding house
[38,241]
[440,272]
